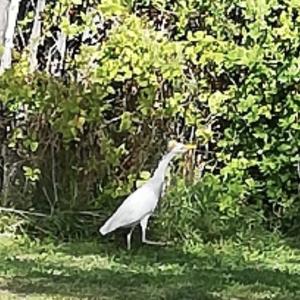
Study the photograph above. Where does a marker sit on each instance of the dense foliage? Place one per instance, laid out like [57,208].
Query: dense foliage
[116,80]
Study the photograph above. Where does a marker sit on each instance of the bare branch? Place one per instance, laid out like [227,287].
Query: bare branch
[5,176]
[50,52]
[113,120]
[48,199]
[54,176]
[22,212]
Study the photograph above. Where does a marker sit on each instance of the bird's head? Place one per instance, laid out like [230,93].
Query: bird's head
[179,148]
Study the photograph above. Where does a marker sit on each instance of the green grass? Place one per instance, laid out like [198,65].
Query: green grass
[253,269]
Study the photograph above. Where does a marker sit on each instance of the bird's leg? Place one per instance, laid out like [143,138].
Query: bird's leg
[144,223]
[129,237]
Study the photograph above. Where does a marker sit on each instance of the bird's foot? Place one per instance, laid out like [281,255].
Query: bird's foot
[155,243]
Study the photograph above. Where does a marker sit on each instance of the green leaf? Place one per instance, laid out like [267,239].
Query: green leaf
[145,175]
[126,121]
[33,146]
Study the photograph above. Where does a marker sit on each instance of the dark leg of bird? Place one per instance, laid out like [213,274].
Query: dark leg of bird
[129,237]
[144,223]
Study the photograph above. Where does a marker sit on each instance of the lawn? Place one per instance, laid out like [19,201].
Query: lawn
[266,268]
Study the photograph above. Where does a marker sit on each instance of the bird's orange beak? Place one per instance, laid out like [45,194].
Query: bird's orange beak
[190,146]
[171,144]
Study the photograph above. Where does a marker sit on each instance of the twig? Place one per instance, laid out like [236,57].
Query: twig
[298,163]
[113,120]
[48,199]
[87,213]
[298,170]
[53,176]
[21,37]
[49,58]
[5,176]
[22,212]
[38,214]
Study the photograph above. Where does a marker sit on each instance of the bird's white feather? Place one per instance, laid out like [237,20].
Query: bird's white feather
[134,208]
[144,200]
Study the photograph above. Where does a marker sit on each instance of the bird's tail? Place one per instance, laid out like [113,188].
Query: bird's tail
[102,230]
[105,229]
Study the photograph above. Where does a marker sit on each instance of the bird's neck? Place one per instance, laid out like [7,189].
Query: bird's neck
[160,172]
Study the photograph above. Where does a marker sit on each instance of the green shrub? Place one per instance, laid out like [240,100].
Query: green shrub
[226,73]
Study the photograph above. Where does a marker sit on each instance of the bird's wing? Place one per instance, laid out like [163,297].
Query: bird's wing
[139,204]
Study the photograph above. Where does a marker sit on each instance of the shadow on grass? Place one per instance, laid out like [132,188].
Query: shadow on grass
[144,273]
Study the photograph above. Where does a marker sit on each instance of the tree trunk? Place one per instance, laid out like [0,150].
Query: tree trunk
[4,5]
[9,34]
[35,35]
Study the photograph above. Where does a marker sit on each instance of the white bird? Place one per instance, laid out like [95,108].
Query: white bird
[140,205]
